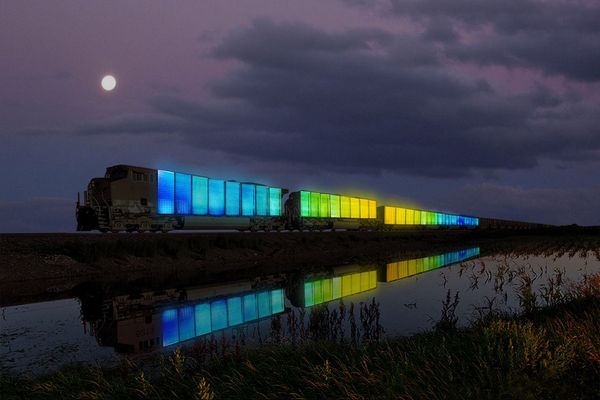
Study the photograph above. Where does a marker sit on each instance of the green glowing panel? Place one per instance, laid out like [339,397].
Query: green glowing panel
[336,287]
[304,204]
[324,206]
[318,291]
[315,200]
[334,204]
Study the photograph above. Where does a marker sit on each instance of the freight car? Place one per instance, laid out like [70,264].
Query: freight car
[141,199]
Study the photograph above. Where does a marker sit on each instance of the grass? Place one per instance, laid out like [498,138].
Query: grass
[550,352]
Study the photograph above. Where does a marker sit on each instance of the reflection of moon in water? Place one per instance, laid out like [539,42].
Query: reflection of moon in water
[109,83]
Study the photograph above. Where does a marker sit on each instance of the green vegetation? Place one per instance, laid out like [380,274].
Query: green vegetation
[550,352]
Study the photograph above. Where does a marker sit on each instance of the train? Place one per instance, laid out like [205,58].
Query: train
[139,199]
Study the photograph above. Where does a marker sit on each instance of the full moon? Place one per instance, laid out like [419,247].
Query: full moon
[108,83]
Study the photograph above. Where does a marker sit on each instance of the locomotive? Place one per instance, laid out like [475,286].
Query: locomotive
[130,198]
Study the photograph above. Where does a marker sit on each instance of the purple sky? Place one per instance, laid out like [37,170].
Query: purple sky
[488,108]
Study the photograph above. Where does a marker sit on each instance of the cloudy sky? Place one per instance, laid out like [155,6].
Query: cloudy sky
[488,107]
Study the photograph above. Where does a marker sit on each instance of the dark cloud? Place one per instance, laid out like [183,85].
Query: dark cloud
[556,37]
[365,101]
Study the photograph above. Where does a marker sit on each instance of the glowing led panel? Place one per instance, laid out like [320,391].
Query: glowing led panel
[166,192]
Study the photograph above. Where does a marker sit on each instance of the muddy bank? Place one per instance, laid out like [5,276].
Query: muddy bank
[34,266]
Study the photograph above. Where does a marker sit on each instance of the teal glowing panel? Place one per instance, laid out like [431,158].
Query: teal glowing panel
[202,314]
[183,194]
[199,195]
[216,197]
[166,192]
[274,202]
[262,200]
[264,304]
[218,314]
[309,299]
[248,199]
[277,301]
[232,198]
[234,311]
[304,204]
[170,328]
[250,307]
[186,323]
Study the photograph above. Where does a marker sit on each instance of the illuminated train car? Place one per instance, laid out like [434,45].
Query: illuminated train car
[140,199]
[314,210]
[344,281]
[407,268]
[153,320]
[131,199]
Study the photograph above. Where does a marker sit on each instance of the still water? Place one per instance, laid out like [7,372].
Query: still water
[102,328]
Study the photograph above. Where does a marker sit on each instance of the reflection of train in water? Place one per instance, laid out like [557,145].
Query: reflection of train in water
[140,199]
[150,320]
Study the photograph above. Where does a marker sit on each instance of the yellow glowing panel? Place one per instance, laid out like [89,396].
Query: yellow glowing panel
[364,281]
[400,216]
[346,285]
[364,208]
[412,267]
[389,215]
[345,206]
[419,266]
[372,209]
[392,272]
[355,283]
[410,215]
[354,207]
[402,269]
[372,279]
[417,217]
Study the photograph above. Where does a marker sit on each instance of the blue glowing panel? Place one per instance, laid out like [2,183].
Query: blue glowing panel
[199,195]
[274,202]
[232,198]
[234,311]
[202,312]
[264,304]
[170,328]
[250,307]
[262,200]
[187,327]
[248,199]
[183,193]
[166,192]
[218,314]
[216,197]
[277,301]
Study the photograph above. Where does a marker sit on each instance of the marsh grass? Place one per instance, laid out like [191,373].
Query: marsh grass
[550,351]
